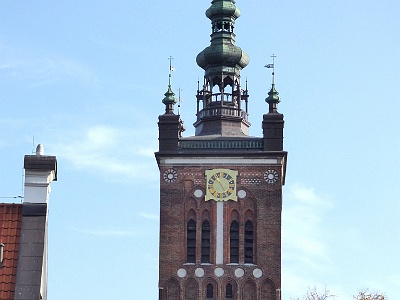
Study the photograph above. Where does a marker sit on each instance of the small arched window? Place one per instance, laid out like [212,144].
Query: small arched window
[229,291]
[210,292]
[191,242]
[234,242]
[205,242]
[248,242]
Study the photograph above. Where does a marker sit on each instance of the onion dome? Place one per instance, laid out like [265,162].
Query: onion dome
[224,108]
[222,55]
[273,99]
[223,8]
[169,99]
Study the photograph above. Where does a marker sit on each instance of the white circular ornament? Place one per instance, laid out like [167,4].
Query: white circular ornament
[271,176]
[242,194]
[239,272]
[199,272]
[198,193]
[257,273]
[181,273]
[170,175]
[219,272]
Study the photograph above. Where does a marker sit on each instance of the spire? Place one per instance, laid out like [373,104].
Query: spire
[273,98]
[169,99]
[221,94]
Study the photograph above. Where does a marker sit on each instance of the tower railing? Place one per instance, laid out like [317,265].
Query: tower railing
[254,144]
[222,111]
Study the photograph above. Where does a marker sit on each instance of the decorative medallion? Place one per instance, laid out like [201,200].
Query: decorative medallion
[257,273]
[242,194]
[199,272]
[170,176]
[239,272]
[219,272]
[271,176]
[221,185]
[181,273]
[198,193]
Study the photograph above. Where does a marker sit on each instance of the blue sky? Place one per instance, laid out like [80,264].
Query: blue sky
[86,79]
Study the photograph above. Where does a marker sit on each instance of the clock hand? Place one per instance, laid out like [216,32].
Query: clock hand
[220,184]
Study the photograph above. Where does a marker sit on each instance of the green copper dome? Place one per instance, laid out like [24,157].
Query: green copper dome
[273,95]
[169,97]
[223,8]
[222,55]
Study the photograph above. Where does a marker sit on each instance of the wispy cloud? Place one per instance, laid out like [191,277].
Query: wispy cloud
[112,151]
[109,232]
[303,238]
[149,216]
[40,71]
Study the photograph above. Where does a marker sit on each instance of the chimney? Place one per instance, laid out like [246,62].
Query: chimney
[40,171]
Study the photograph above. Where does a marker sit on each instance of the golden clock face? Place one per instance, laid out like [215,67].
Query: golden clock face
[221,185]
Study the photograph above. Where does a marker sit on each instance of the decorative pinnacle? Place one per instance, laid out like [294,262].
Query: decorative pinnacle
[273,98]
[169,99]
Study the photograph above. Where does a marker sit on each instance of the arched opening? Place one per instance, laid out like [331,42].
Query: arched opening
[191,242]
[229,291]
[210,292]
[248,242]
[205,242]
[234,242]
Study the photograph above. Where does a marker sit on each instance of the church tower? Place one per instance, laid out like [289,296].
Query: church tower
[221,190]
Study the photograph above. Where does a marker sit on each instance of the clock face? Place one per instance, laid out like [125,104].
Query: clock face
[170,176]
[271,176]
[221,184]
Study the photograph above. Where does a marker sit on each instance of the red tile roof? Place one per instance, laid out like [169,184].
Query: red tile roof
[10,231]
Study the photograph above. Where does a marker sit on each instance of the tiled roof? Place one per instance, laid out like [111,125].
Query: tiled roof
[10,231]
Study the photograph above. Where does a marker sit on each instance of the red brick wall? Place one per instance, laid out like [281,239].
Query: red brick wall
[262,205]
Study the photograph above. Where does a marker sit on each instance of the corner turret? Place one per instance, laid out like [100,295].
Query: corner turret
[273,122]
[169,124]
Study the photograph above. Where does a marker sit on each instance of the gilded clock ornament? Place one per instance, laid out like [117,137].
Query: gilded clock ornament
[221,185]
[271,176]
[170,175]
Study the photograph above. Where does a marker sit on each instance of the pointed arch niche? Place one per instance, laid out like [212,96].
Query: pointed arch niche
[249,291]
[210,289]
[268,290]
[191,289]
[249,238]
[230,290]
[173,290]
[234,238]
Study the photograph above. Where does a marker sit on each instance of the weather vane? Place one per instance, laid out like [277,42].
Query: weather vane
[272,66]
[171,68]
[179,100]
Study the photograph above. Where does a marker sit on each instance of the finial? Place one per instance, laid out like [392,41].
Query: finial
[39,150]
[169,99]
[179,101]
[272,66]
[171,68]
[273,98]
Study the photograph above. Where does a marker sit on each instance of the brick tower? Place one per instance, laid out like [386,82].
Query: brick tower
[221,190]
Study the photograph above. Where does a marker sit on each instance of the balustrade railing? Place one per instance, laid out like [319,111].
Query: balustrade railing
[255,144]
[222,111]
